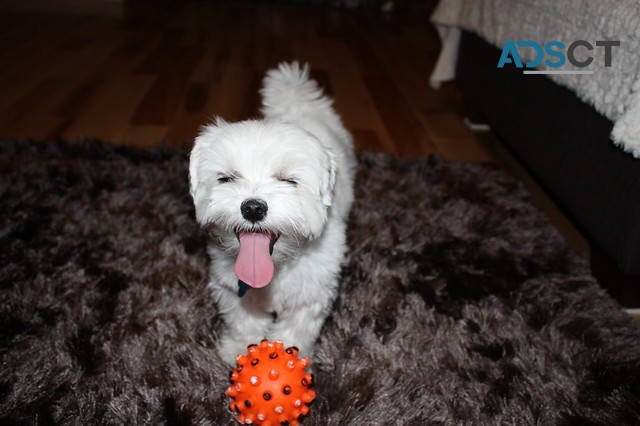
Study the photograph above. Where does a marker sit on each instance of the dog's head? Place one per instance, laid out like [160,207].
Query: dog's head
[263,188]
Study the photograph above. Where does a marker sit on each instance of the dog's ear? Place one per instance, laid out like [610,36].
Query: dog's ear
[329,179]
[197,182]
[196,186]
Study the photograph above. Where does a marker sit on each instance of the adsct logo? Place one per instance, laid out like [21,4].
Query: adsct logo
[555,55]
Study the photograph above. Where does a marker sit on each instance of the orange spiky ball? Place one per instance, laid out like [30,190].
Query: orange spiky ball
[270,386]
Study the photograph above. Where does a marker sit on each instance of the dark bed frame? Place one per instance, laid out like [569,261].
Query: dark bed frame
[565,145]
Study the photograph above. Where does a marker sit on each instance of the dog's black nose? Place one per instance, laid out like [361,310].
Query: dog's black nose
[253,210]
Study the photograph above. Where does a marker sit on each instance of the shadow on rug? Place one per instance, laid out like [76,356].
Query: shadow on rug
[459,303]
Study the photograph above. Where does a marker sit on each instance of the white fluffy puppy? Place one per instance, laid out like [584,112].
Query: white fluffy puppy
[275,196]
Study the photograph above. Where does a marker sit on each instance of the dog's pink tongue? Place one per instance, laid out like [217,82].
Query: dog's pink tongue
[254,265]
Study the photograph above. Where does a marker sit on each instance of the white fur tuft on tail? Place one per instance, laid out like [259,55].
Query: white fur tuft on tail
[288,92]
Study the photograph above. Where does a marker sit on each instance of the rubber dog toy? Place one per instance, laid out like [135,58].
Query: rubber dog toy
[269,386]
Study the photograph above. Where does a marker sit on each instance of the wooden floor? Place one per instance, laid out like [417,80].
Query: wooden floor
[151,72]
[159,70]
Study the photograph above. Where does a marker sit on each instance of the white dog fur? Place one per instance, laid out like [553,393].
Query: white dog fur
[299,161]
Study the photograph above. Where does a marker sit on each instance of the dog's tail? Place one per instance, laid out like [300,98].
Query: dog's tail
[288,93]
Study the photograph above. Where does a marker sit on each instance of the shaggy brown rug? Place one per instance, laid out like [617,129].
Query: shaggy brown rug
[459,303]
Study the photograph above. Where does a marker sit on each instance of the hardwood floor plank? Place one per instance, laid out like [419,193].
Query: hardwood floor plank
[367,140]
[143,136]
[252,101]
[353,100]
[462,149]
[161,101]
[163,56]
[109,117]
[228,96]
[134,44]
[399,119]
[196,97]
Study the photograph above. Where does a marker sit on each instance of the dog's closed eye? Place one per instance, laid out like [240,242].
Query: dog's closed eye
[222,178]
[287,179]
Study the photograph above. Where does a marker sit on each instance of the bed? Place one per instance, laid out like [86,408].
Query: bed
[578,135]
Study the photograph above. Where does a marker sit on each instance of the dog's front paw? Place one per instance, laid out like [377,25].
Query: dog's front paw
[229,349]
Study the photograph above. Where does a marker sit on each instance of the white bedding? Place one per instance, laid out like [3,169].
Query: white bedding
[613,91]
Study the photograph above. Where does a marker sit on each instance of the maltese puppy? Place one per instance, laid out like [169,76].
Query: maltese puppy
[274,196]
